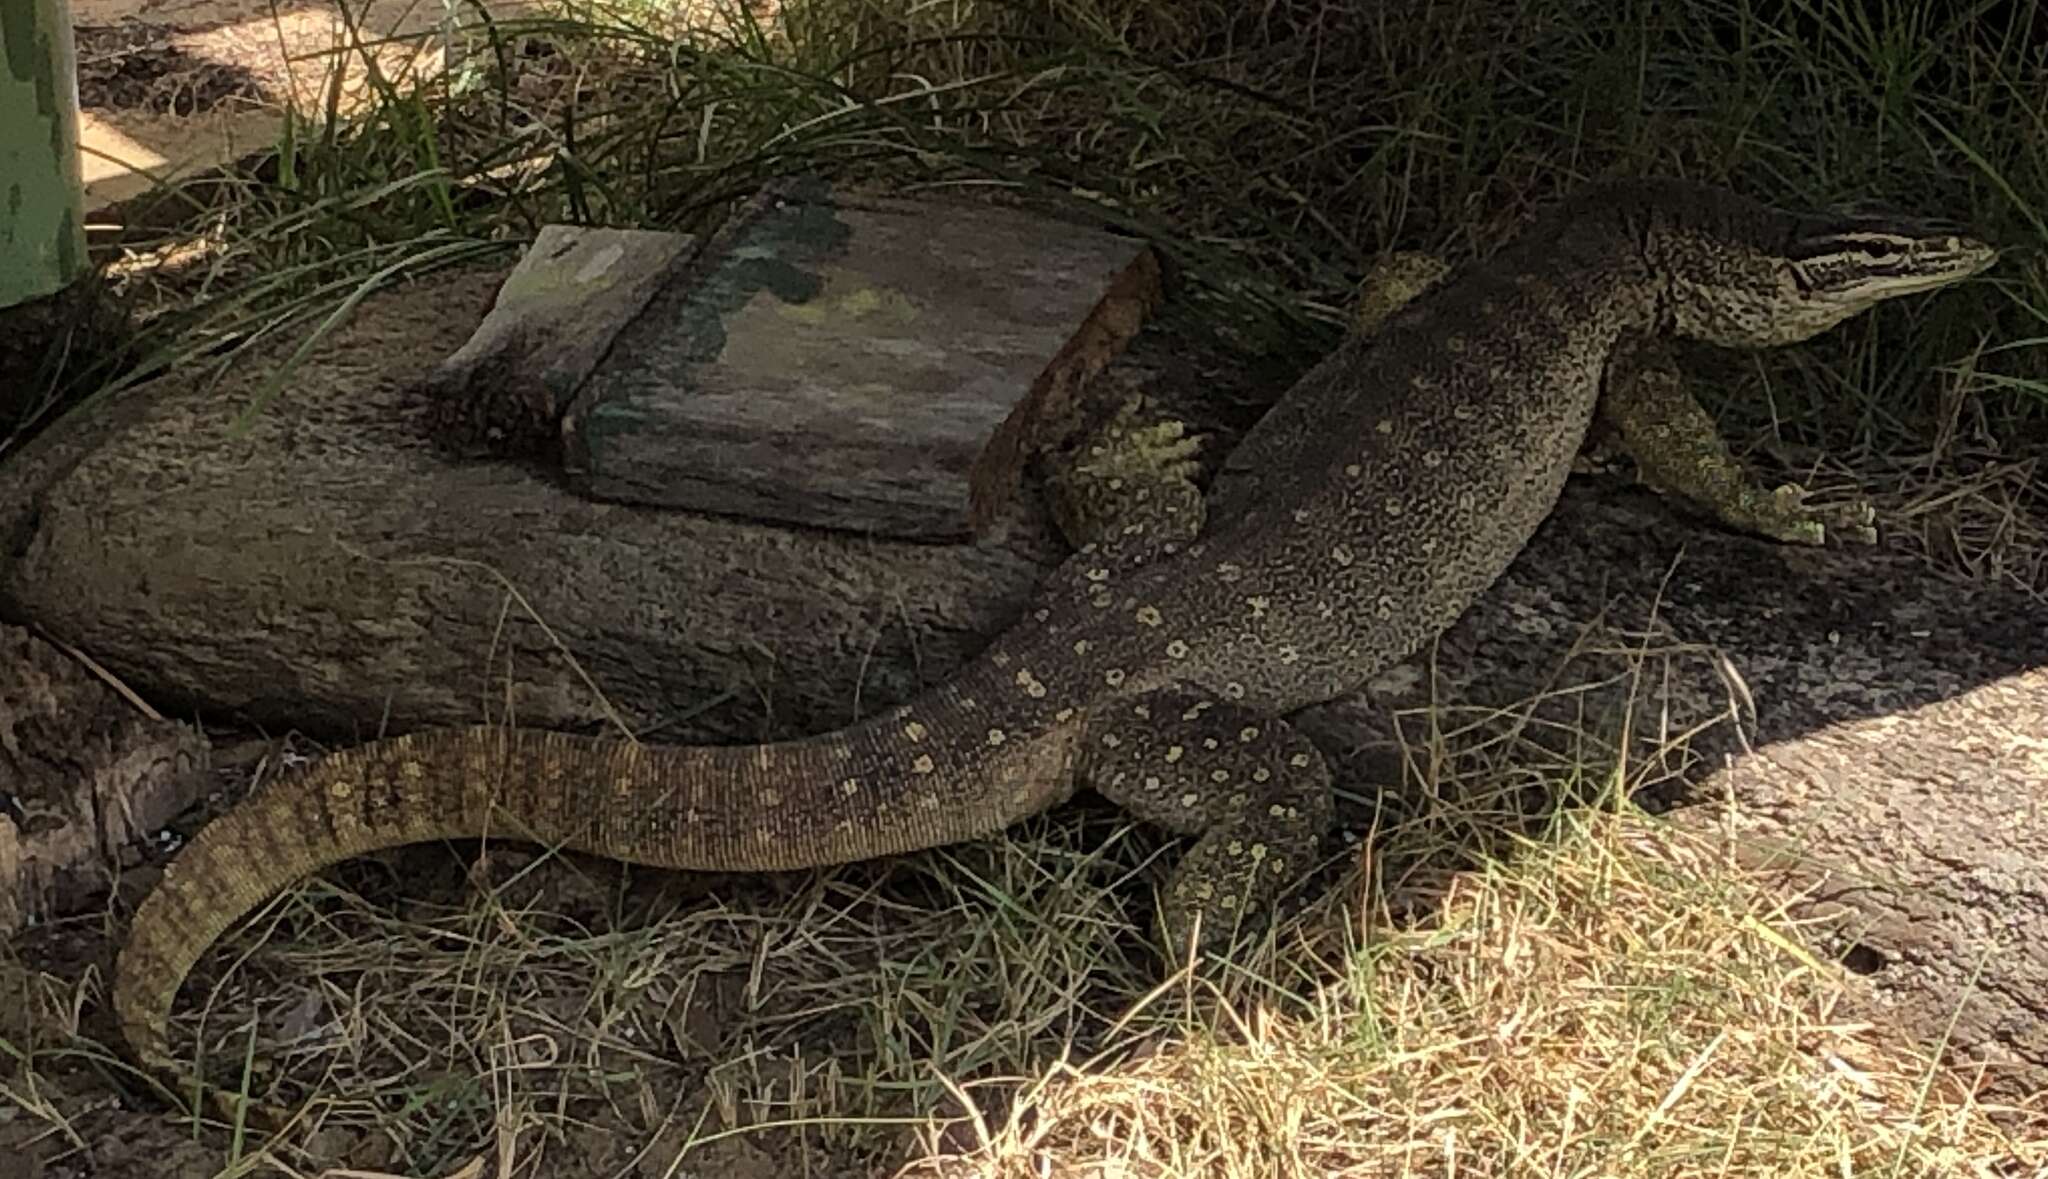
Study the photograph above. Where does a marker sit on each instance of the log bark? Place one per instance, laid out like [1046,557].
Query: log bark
[329,571]
[85,778]
[1920,839]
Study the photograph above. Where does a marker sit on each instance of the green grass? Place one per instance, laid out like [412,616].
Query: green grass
[1273,151]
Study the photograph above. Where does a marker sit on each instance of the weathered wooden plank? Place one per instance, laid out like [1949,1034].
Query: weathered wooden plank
[505,390]
[840,364]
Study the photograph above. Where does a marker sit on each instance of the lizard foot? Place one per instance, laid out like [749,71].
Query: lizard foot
[1130,488]
[1785,517]
[1253,789]
[1679,452]
[1391,284]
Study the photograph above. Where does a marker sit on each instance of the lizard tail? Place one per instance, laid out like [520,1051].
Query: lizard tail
[867,791]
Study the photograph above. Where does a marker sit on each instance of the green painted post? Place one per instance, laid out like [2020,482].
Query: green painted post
[42,197]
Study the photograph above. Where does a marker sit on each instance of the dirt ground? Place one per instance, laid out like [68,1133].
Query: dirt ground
[171,87]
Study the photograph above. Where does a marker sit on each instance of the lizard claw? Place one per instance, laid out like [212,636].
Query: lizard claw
[1853,522]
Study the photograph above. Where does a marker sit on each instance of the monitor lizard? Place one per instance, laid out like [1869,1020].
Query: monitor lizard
[1362,514]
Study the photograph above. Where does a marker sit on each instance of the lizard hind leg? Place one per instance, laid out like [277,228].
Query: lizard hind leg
[1253,790]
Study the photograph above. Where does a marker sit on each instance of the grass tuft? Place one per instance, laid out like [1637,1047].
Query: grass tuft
[1273,152]
[1621,1000]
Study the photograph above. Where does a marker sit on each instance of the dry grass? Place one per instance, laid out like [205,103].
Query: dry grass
[1620,1001]
[1486,985]
[1610,996]
[1593,996]
[1273,152]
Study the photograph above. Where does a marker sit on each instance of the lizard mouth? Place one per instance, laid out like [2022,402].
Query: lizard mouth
[1865,273]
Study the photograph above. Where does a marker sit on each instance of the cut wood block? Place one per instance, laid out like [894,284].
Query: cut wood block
[505,391]
[842,364]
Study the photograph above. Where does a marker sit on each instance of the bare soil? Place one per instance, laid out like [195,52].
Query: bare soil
[175,87]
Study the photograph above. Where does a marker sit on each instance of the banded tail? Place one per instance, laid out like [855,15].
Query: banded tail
[866,791]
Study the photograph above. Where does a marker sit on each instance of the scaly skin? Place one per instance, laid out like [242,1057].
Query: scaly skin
[1376,500]
[1652,417]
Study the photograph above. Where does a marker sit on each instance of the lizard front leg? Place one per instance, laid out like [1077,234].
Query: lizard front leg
[1392,283]
[1678,451]
[1253,789]
[1127,492]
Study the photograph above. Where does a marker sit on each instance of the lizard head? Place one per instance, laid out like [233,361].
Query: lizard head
[1748,275]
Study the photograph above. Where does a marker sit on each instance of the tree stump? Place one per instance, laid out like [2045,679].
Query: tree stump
[85,778]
